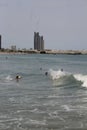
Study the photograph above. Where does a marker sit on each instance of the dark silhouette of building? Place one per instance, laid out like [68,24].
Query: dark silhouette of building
[0,41]
[38,41]
[42,43]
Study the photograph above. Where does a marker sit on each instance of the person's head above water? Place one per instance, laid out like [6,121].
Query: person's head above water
[18,77]
[40,68]
[61,69]
[46,73]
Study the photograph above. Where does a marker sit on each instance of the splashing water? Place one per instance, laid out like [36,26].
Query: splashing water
[9,78]
[55,75]
[82,78]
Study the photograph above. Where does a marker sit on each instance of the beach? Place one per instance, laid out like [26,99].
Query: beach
[46,51]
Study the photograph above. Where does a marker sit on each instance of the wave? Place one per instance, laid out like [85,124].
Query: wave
[59,78]
[82,78]
[62,77]
[57,74]
[9,78]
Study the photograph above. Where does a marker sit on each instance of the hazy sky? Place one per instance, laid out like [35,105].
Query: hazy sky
[63,23]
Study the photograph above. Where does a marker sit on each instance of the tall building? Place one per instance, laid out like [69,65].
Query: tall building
[34,40]
[42,43]
[0,41]
[38,41]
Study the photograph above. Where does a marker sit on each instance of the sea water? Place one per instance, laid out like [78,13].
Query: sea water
[56,101]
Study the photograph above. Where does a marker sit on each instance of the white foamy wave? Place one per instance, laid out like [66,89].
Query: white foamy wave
[9,78]
[82,78]
[57,74]
[54,75]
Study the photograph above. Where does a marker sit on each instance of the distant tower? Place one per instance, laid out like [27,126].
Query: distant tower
[35,41]
[42,43]
[38,41]
[0,41]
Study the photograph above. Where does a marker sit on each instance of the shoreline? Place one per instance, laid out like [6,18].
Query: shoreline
[67,52]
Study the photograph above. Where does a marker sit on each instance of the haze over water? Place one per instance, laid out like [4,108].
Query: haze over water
[57,101]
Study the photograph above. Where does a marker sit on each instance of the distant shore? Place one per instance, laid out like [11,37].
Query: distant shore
[68,52]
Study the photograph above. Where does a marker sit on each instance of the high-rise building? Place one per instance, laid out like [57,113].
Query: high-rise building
[0,41]
[42,43]
[38,41]
[35,41]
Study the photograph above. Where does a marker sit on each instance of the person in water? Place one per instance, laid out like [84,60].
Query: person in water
[46,73]
[61,69]
[40,68]
[18,77]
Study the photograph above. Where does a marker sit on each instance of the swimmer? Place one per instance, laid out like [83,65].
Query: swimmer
[46,73]
[18,77]
[40,68]
[61,69]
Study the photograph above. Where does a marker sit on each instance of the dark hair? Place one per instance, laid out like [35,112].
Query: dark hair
[61,69]
[46,73]
[17,77]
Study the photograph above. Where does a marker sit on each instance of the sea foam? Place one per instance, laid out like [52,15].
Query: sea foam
[55,75]
[9,78]
[82,78]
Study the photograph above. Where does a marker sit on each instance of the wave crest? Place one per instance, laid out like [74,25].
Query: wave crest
[57,74]
[82,78]
[63,77]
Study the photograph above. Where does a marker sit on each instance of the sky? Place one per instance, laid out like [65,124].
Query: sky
[63,23]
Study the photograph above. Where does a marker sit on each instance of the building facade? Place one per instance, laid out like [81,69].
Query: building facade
[38,42]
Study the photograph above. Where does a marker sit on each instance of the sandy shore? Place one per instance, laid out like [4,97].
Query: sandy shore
[68,52]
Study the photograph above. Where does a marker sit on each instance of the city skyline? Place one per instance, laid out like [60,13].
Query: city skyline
[63,23]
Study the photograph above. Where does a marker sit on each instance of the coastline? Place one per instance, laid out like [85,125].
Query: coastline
[68,52]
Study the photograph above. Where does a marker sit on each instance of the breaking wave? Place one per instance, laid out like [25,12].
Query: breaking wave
[62,77]
[82,78]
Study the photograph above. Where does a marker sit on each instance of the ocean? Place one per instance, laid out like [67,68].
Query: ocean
[56,101]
